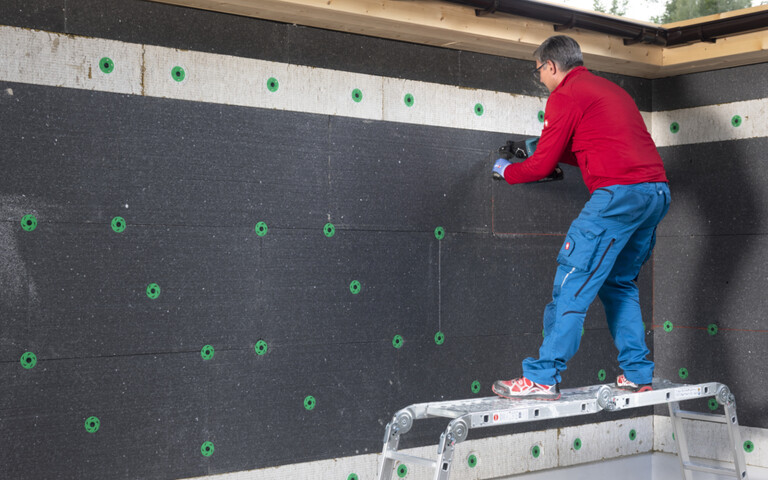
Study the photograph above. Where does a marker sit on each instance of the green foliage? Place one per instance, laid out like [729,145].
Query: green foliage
[678,10]
[618,7]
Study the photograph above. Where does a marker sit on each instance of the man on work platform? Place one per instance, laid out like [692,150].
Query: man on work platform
[594,124]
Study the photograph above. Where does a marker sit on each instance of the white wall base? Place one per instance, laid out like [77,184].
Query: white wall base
[606,452]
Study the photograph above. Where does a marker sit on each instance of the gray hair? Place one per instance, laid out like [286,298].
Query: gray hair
[562,50]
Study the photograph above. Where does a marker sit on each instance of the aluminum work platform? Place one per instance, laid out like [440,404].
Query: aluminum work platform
[493,411]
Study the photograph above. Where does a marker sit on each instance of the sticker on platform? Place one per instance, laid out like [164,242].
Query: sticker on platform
[510,416]
[687,392]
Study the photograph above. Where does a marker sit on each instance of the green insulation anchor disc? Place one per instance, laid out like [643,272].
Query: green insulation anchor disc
[541,116]
[536,451]
[683,372]
[476,386]
[178,74]
[736,121]
[632,434]
[713,404]
[153,290]
[207,449]
[261,229]
[674,127]
[355,287]
[272,84]
[106,65]
[479,109]
[353,476]
[310,402]
[439,233]
[668,326]
[329,230]
[601,375]
[261,347]
[439,338]
[749,447]
[357,95]
[472,461]
[118,224]
[577,444]
[92,424]
[712,329]
[28,223]
[28,360]
[408,100]
[207,352]
[397,341]
[402,471]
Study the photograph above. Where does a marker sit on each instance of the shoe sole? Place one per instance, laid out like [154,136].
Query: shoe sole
[526,397]
[644,388]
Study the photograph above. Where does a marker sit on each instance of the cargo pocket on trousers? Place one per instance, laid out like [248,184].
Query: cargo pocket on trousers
[581,242]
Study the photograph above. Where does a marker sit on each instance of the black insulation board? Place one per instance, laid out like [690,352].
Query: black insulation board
[714,280]
[718,188]
[151,23]
[708,271]
[727,85]
[196,177]
[77,289]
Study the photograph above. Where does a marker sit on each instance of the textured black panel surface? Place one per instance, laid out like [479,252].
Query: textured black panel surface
[410,176]
[712,279]
[710,88]
[45,15]
[153,411]
[732,357]
[192,180]
[539,208]
[717,188]
[151,23]
[162,162]
[305,292]
[191,191]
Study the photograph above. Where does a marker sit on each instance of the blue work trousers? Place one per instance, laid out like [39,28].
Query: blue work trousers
[602,254]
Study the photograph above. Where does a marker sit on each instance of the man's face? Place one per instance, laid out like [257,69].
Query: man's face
[546,73]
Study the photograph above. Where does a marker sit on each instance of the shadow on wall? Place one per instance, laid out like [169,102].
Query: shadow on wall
[714,224]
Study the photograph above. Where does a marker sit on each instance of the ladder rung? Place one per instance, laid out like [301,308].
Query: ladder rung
[700,467]
[405,458]
[704,417]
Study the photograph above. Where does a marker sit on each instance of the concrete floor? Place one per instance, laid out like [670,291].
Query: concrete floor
[656,466]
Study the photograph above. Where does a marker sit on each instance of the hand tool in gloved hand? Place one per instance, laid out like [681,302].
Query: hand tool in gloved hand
[521,149]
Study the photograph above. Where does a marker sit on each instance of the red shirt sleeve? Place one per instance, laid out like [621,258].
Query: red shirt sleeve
[560,119]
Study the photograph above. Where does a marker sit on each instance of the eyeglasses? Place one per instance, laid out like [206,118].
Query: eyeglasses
[536,72]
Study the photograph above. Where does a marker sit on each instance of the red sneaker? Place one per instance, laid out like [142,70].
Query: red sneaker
[525,389]
[622,382]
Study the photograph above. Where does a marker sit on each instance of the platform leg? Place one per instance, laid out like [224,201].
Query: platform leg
[735,436]
[680,439]
[444,457]
[391,442]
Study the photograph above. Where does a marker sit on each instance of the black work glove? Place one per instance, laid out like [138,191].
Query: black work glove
[513,150]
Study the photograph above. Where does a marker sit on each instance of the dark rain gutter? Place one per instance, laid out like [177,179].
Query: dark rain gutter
[632,32]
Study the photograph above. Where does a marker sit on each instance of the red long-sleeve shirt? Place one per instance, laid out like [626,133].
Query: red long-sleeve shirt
[594,124]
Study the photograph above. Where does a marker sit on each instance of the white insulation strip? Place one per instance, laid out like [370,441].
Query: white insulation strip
[43,58]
